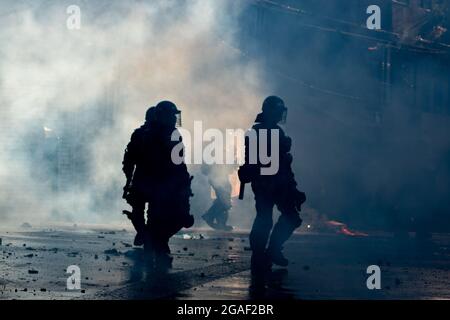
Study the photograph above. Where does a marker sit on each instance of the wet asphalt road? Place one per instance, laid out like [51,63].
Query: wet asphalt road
[212,265]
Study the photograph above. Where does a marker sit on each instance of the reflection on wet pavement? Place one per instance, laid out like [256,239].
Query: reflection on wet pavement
[210,265]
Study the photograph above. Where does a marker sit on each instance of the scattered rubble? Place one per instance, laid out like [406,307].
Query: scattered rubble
[112,252]
[187,236]
[72,254]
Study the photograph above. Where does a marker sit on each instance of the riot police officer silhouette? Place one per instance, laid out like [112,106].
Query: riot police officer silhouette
[135,193]
[279,189]
[159,181]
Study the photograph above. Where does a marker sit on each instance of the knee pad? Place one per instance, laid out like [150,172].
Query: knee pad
[265,223]
[297,221]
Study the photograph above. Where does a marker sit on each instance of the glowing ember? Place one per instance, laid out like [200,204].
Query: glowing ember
[235,184]
[342,228]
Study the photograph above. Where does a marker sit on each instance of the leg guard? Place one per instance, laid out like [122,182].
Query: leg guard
[283,230]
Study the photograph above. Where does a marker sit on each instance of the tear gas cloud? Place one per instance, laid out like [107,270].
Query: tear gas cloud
[70,99]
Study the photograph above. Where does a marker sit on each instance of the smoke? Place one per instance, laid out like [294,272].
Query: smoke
[70,99]
[368,155]
[371,146]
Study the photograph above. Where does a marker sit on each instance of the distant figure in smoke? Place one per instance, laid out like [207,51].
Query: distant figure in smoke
[218,177]
[158,181]
[279,189]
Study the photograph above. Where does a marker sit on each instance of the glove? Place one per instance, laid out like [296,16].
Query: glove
[285,145]
[188,221]
[126,190]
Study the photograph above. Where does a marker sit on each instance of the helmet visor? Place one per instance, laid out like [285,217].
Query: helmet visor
[284,117]
[178,123]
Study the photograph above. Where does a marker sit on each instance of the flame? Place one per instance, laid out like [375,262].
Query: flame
[342,228]
[235,185]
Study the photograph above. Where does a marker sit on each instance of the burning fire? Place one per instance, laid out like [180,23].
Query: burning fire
[342,228]
[233,178]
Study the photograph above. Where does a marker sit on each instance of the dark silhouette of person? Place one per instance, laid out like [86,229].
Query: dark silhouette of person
[161,182]
[136,193]
[279,189]
[218,177]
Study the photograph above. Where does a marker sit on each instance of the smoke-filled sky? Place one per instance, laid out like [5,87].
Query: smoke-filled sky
[366,151]
[89,89]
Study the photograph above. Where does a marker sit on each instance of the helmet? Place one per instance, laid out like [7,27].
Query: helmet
[273,103]
[166,112]
[167,107]
[273,109]
[150,115]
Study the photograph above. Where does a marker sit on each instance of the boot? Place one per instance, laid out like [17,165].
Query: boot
[260,264]
[276,257]
[139,225]
[139,239]
[222,222]
[163,261]
[209,220]
[225,228]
